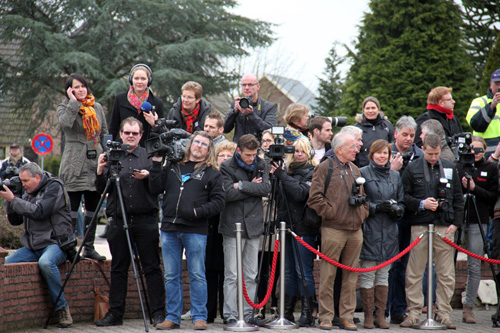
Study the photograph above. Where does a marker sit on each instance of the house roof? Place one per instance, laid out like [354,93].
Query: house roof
[293,89]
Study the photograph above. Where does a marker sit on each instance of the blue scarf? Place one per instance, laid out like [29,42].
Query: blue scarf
[248,168]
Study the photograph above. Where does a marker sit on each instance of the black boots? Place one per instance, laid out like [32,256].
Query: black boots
[89,251]
[306,319]
[290,307]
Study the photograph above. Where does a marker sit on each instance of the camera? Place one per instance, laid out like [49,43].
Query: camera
[14,184]
[279,149]
[171,144]
[165,124]
[464,148]
[443,203]
[116,151]
[336,121]
[245,102]
[396,211]
[356,199]
[11,170]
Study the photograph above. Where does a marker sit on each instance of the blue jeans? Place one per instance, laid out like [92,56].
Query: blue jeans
[293,277]
[172,245]
[48,260]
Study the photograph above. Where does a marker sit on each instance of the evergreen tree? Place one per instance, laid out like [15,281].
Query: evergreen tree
[180,40]
[480,17]
[492,64]
[404,49]
[330,87]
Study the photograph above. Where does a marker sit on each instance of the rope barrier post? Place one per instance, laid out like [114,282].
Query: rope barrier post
[240,325]
[430,324]
[281,322]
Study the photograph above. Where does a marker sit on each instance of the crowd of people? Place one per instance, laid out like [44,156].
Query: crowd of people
[374,186]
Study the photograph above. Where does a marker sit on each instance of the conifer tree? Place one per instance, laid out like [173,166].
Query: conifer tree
[492,64]
[330,87]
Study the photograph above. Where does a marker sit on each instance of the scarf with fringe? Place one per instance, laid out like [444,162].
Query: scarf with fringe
[91,125]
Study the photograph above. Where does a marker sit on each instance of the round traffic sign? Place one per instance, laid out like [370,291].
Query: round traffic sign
[42,144]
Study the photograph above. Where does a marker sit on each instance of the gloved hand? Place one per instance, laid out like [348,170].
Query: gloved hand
[383,207]
[186,211]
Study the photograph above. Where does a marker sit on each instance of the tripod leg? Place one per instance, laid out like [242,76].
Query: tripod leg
[141,275]
[77,256]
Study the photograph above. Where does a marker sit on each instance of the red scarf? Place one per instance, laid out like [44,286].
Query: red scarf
[190,117]
[439,108]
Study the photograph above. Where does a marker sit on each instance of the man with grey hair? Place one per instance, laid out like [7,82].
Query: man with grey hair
[404,150]
[433,126]
[341,234]
[45,212]
[354,131]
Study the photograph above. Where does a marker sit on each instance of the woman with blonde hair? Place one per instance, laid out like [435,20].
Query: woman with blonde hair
[295,182]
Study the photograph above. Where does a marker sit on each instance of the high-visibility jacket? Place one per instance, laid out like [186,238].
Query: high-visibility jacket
[484,121]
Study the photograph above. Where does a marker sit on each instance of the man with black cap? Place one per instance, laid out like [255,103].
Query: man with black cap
[10,166]
[484,112]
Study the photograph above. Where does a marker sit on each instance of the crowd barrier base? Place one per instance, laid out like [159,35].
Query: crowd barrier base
[281,322]
[430,324]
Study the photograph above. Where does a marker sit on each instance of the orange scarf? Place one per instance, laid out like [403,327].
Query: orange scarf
[91,125]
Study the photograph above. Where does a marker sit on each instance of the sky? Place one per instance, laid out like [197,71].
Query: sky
[305,32]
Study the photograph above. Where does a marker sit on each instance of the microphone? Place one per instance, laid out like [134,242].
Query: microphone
[146,107]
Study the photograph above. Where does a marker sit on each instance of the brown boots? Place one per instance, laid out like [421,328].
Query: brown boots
[368,303]
[380,302]
[468,315]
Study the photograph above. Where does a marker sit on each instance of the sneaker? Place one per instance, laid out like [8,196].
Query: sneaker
[409,322]
[256,321]
[326,325]
[110,320]
[399,318]
[274,312]
[447,322]
[200,325]
[231,321]
[348,324]
[65,319]
[158,318]
[167,325]
[186,316]
[260,314]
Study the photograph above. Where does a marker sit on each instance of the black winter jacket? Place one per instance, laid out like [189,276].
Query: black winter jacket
[382,129]
[451,127]
[122,109]
[175,114]
[296,188]
[486,180]
[380,232]
[45,213]
[417,188]
[203,191]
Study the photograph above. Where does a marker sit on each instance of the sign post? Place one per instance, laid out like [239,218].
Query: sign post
[42,144]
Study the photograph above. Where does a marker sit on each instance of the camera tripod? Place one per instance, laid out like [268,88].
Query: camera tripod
[470,203]
[277,191]
[115,168]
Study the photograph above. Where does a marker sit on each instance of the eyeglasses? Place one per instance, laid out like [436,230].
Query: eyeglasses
[448,99]
[131,133]
[267,141]
[199,143]
[249,84]
[189,98]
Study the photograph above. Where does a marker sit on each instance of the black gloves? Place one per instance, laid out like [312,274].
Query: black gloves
[383,207]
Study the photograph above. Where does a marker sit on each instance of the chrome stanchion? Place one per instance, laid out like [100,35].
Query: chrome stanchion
[430,324]
[281,322]
[240,325]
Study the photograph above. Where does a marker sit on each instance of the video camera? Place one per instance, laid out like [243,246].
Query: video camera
[356,199]
[14,184]
[172,143]
[279,149]
[336,121]
[116,151]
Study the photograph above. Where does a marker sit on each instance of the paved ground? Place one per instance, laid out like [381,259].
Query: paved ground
[137,325]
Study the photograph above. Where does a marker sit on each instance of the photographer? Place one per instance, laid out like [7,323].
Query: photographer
[343,210]
[433,195]
[384,190]
[193,193]
[404,150]
[142,216]
[10,166]
[257,115]
[482,179]
[295,182]
[46,216]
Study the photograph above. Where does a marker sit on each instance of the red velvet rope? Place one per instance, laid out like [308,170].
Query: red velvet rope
[271,281]
[446,240]
[360,270]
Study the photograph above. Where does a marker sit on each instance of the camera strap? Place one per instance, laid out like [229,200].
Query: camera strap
[427,175]
[343,172]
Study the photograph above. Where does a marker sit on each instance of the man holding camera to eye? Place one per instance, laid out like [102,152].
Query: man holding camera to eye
[44,210]
[10,166]
[433,195]
[343,208]
[250,114]
[484,112]
[142,217]
[404,150]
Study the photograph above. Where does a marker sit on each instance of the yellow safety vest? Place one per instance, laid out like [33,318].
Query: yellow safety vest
[493,130]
